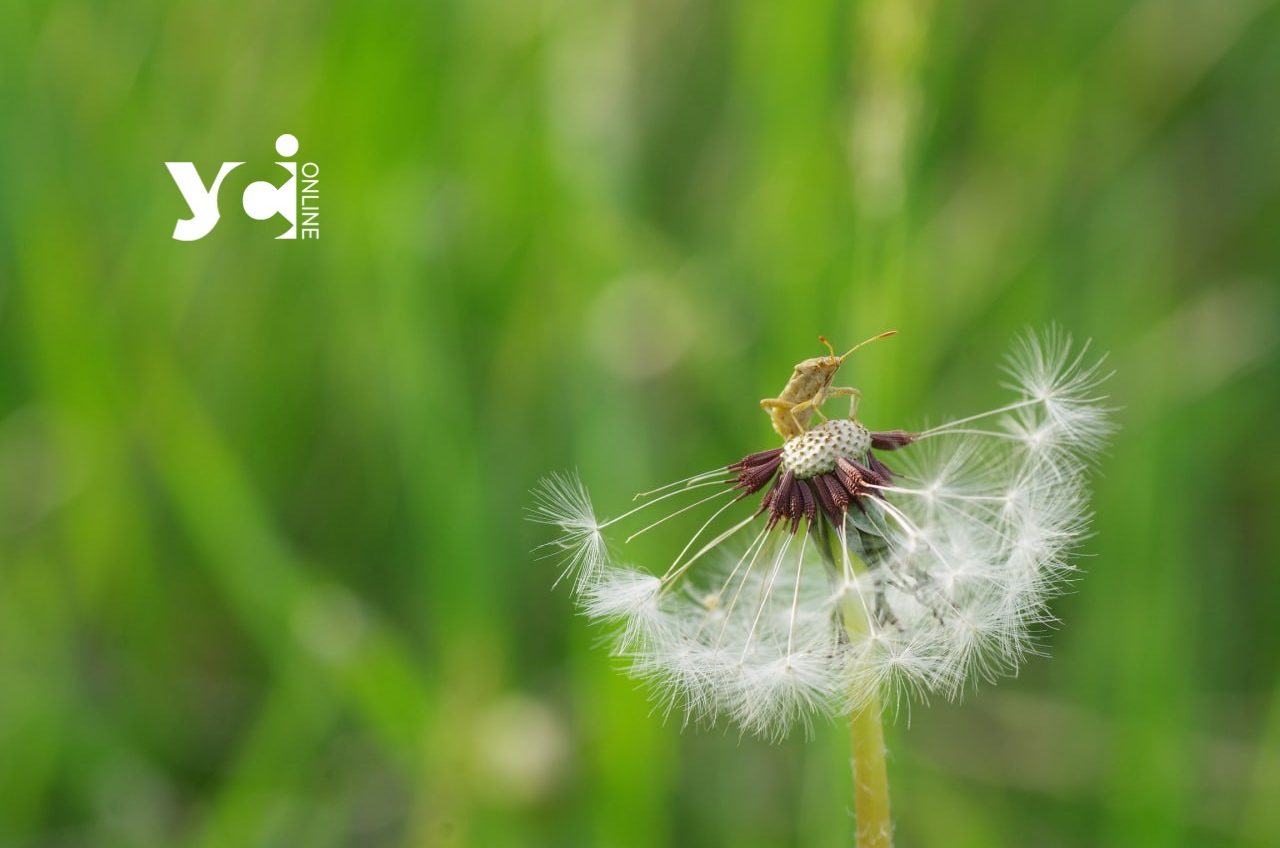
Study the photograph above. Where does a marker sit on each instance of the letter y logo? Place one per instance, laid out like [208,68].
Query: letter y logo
[203,202]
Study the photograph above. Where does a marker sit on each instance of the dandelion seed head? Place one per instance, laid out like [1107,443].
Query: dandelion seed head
[910,578]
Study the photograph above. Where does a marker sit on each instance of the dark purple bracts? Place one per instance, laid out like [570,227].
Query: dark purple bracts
[892,439]
[831,493]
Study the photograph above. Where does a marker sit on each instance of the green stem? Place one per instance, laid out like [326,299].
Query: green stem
[866,735]
[870,777]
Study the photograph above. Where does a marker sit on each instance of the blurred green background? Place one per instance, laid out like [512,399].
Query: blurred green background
[264,571]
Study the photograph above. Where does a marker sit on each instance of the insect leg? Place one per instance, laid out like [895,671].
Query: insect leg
[853,395]
[811,404]
[808,405]
[785,410]
[815,402]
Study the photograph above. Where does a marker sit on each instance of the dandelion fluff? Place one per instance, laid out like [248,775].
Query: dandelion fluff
[854,576]
[561,500]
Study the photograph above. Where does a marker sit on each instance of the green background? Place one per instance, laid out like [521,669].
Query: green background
[264,571]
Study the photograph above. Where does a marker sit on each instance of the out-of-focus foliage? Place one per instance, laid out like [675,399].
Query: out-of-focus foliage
[263,570]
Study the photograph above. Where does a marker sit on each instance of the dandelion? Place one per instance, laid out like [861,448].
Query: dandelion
[850,567]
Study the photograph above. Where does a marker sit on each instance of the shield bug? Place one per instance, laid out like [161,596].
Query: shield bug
[810,387]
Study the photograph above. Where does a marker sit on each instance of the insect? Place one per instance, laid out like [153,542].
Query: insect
[810,387]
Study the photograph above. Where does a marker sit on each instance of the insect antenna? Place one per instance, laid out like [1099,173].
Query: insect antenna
[886,334]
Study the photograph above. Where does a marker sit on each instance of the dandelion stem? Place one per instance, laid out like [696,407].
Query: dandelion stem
[874,827]
[870,777]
